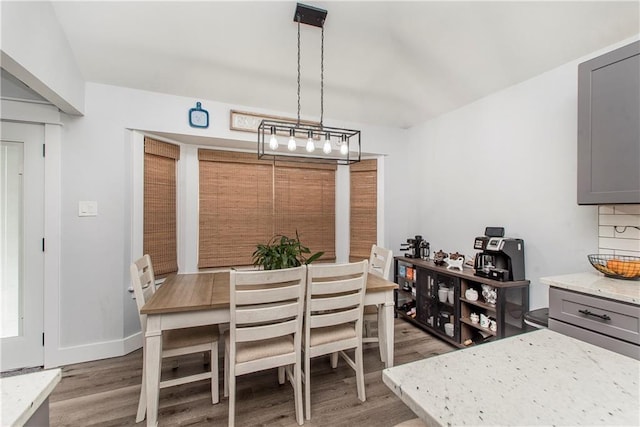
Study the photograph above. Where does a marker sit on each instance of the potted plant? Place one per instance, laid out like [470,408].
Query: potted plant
[283,252]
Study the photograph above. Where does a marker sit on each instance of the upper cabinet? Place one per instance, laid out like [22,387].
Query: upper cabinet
[609,128]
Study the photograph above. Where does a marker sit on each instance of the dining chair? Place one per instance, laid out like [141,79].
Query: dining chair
[333,319]
[265,329]
[175,342]
[379,264]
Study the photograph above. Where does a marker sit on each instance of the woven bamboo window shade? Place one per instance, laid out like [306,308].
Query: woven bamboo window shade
[236,207]
[305,201]
[160,242]
[364,208]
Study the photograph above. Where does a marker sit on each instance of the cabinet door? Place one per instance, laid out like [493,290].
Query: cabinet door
[424,297]
[609,128]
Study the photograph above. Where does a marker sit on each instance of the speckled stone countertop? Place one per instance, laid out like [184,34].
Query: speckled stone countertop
[536,378]
[23,394]
[597,284]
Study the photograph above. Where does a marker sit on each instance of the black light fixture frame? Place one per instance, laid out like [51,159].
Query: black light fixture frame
[284,129]
[316,17]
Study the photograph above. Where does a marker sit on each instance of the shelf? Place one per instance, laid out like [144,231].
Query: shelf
[444,303]
[480,304]
[433,331]
[477,326]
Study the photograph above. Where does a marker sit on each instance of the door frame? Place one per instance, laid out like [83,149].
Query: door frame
[49,116]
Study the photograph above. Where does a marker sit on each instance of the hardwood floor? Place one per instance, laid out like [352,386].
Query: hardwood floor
[105,392]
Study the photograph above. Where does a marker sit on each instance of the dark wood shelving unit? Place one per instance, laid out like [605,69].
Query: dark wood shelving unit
[512,302]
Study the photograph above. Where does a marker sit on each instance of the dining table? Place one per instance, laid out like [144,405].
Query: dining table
[187,300]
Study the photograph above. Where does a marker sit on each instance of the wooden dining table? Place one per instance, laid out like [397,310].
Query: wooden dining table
[186,300]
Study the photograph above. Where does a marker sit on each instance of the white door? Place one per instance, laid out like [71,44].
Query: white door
[21,245]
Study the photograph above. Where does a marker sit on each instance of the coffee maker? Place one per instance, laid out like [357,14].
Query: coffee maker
[502,258]
[416,247]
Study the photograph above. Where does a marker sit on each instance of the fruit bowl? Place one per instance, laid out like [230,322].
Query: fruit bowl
[617,266]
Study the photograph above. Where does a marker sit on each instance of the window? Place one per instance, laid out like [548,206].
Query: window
[160,241]
[363,208]
[305,201]
[245,201]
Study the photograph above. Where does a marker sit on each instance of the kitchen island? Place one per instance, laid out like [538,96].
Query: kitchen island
[536,378]
[25,398]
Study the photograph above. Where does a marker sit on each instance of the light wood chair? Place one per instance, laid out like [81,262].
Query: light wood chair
[177,342]
[265,331]
[379,264]
[333,319]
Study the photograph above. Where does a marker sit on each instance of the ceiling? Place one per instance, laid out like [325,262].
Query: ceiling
[387,63]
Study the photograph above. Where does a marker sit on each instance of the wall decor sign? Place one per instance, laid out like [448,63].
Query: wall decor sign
[198,118]
[249,122]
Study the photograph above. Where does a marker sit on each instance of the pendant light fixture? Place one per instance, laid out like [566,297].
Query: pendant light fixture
[336,145]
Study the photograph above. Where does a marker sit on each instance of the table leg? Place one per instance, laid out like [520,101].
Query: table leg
[153,360]
[382,346]
[387,310]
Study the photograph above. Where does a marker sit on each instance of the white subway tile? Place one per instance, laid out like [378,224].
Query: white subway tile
[624,232]
[619,244]
[606,210]
[605,231]
[628,253]
[626,209]
[619,220]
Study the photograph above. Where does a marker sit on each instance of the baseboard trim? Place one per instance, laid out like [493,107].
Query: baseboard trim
[95,351]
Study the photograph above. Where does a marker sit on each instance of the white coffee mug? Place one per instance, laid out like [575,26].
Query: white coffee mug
[493,325]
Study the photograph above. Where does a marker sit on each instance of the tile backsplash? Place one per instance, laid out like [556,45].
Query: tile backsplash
[619,229]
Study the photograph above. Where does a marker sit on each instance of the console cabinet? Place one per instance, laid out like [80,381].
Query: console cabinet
[432,296]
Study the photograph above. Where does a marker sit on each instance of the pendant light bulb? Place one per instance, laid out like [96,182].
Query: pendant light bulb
[310,145]
[326,148]
[273,141]
[344,146]
[291,146]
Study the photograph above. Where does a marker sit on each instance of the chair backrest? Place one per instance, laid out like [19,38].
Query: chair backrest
[335,295]
[380,261]
[266,304]
[144,284]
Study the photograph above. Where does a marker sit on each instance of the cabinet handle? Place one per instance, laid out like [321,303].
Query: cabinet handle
[599,316]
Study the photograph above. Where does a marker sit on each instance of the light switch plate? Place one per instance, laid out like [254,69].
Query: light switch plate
[87,208]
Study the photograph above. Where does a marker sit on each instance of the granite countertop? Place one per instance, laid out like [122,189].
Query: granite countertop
[536,378]
[597,284]
[23,394]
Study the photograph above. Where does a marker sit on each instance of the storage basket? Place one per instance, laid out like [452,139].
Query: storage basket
[617,266]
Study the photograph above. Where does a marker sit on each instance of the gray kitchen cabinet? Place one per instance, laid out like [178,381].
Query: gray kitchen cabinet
[607,323]
[609,127]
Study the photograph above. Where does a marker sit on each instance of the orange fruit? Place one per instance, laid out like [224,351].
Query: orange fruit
[624,268]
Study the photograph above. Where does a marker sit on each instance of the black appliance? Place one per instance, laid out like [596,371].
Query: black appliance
[502,258]
[416,248]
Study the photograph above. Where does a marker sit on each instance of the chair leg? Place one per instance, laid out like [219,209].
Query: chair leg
[281,375]
[360,374]
[215,393]
[142,402]
[307,387]
[226,372]
[297,391]
[232,398]
[334,359]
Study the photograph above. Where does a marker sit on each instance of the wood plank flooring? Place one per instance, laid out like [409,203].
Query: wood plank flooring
[105,392]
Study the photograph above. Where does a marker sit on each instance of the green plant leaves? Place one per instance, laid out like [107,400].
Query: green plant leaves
[283,252]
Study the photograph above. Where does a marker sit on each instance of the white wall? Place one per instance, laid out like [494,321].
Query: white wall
[509,160]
